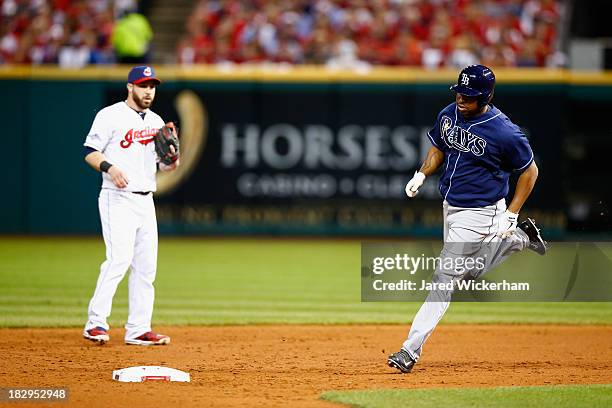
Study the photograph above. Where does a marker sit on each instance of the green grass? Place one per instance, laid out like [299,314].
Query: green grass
[48,282]
[570,396]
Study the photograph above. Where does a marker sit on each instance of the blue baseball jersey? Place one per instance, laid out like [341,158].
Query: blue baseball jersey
[479,155]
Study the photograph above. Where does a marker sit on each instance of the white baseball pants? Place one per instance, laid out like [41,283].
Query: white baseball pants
[468,232]
[129,227]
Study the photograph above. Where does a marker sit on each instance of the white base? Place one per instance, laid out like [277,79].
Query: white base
[150,373]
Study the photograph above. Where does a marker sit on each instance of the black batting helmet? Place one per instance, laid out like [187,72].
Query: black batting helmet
[476,80]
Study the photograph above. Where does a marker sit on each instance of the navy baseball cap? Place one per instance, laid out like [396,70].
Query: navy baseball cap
[475,80]
[141,74]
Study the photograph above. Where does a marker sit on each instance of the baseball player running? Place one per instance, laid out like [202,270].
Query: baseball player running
[120,146]
[479,147]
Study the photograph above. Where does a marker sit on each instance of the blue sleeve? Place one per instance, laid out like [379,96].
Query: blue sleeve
[518,153]
[87,150]
[434,135]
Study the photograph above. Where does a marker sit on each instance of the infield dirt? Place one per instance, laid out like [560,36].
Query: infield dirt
[290,365]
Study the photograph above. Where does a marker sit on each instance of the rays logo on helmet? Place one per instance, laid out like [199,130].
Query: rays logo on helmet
[465,80]
[147,71]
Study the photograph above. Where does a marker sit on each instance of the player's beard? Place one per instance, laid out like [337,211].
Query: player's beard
[140,102]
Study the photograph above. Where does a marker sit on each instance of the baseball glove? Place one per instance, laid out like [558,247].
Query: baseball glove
[165,139]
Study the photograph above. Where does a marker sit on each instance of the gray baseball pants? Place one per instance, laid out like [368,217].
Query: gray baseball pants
[468,232]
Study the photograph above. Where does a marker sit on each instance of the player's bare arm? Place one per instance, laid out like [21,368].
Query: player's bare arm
[95,160]
[435,157]
[524,186]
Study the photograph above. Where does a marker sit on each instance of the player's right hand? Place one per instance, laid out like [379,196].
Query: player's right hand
[507,224]
[412,188]
[118,177]
[169,167]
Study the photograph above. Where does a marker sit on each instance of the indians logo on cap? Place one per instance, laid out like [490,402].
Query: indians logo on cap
[147,71]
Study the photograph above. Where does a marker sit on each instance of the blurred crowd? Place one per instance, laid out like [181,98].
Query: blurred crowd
[66,32]
[353,33]
[338,33]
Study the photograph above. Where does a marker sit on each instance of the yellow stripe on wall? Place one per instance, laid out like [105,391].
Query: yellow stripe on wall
[302,74]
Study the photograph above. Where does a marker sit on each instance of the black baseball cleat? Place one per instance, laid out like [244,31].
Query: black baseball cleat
[536,243]
[401,360]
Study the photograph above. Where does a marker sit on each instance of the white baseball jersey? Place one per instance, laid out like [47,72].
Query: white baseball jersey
[126,139]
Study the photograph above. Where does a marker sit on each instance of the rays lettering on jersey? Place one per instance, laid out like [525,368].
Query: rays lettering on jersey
[460,138]
[143,136]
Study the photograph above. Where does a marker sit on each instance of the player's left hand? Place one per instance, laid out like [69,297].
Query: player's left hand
[412,188]
[167,144]
[507,225]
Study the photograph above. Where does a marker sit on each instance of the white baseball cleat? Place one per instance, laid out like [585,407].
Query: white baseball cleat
[97,335]
[149,339]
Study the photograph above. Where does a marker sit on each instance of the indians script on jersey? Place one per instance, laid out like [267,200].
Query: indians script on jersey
[143,136]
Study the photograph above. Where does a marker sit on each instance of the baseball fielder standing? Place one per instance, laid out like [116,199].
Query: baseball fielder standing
[479,148]
[120,146]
